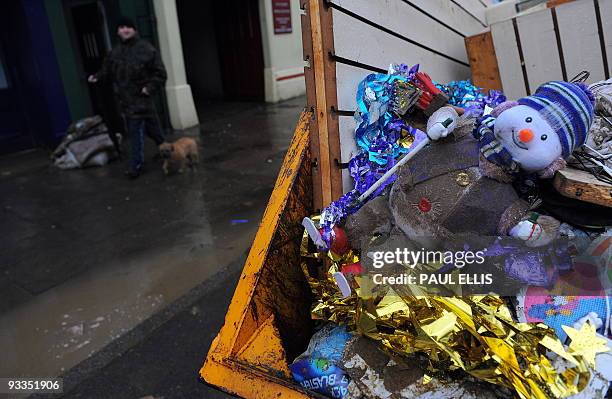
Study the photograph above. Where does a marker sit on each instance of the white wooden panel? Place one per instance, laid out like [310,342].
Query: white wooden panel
[358,41]
[347,181]
[399,17]
[348,148]
[347,80]
[580,39]
[450,14]
[508,60]
[540,50]
[501,12]
[474,7]
[347,136]
[605,10]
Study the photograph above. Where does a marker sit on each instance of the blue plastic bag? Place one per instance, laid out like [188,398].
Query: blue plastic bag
[317,369]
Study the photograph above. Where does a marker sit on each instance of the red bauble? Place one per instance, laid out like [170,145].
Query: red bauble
[353,268]
[339,244]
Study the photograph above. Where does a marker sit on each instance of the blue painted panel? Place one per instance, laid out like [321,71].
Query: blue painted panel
[14,133]
[47,74]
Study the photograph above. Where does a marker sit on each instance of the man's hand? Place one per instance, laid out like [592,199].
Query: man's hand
[145,91]
[92,79]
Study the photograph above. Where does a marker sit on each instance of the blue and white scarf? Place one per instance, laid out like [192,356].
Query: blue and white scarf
[491,148]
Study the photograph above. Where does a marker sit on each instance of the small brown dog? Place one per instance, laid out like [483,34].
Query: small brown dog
[176,155]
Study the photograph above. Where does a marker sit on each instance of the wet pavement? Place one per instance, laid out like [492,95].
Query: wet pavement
[87,255]
[165,363]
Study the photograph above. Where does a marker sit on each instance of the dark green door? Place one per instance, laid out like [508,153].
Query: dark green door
[91,33]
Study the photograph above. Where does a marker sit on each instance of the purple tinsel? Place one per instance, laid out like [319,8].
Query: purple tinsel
[337,211]
[464,94]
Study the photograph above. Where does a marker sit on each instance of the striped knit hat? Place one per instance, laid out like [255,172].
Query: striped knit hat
[568,108]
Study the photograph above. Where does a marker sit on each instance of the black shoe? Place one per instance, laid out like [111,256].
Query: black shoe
[133,173]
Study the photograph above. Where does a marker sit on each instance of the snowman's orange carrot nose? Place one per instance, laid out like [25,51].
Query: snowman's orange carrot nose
[525,135]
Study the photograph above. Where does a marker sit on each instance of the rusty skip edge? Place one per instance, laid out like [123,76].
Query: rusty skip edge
[222,367]
[248,381]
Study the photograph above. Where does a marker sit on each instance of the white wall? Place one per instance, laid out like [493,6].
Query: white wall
[282,55]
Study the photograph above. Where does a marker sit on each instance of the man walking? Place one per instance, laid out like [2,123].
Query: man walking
[136,72]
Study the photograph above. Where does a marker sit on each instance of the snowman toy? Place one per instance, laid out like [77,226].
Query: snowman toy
[535,135]
[530,140]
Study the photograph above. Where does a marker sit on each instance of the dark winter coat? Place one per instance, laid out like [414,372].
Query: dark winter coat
[130,66]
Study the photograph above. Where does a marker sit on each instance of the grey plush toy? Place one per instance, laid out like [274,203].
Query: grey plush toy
[440,193]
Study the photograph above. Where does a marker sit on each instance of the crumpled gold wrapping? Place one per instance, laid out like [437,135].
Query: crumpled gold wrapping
[406,139]
[476,334]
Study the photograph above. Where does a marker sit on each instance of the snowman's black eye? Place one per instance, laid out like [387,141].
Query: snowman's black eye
[544,137]
[528,119]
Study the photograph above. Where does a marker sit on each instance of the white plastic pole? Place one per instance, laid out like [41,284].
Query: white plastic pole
[391,171]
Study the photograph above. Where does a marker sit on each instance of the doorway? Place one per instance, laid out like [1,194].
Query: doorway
[223,49]
[93,41]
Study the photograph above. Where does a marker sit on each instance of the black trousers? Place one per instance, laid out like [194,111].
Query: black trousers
[136,128]
[152,127]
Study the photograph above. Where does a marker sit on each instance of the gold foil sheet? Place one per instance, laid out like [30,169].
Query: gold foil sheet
[476,334]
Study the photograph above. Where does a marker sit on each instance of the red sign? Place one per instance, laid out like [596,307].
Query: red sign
[281,13]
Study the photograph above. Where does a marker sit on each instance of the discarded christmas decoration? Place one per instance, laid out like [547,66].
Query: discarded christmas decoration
[547,335]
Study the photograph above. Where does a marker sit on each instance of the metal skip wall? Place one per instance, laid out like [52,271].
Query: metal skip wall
[359,37]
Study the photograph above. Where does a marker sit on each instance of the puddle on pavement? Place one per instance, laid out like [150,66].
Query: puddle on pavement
[67,324]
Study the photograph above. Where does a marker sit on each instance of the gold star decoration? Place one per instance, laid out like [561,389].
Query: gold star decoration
[586,343]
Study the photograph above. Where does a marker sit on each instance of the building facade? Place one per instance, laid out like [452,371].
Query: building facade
[245,50]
